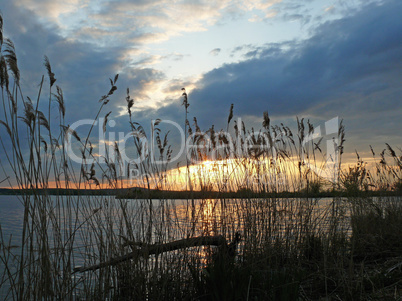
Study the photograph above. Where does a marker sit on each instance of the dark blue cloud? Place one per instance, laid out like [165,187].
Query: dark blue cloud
[82,69]
[348,68]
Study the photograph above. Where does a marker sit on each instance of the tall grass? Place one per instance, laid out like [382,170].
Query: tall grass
[291,248]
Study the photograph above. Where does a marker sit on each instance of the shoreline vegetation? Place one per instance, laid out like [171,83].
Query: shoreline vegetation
[270,239]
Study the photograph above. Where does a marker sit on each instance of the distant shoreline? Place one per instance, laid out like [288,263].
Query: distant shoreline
[57,191]
[142,193]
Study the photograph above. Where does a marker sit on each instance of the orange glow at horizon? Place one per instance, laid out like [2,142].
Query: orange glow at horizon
[219,175]
[228,175]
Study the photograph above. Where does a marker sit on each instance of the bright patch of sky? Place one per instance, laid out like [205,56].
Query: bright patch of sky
[201,51]
[188,55]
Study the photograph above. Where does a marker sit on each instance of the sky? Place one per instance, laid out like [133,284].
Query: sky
[311,59]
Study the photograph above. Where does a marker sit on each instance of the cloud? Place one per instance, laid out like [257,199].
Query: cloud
[215,52]
[52,10]
[148,21]
[145,59]
[349,68]
[81,69]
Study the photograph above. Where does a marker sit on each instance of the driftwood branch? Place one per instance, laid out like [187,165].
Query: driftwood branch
[145,250]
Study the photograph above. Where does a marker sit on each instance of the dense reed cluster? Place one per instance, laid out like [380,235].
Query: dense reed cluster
[346,247]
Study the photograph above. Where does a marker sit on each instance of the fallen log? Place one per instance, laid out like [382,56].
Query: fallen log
[145,250]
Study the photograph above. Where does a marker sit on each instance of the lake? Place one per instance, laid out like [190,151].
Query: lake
[86,230]
[208,213]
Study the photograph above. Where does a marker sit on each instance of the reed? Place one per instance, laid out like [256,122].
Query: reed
[291,248]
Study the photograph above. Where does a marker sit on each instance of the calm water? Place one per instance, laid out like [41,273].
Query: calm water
[11,217]
[175,215]
[81,223]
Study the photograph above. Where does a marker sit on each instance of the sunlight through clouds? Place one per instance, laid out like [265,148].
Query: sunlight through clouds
[137,21]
